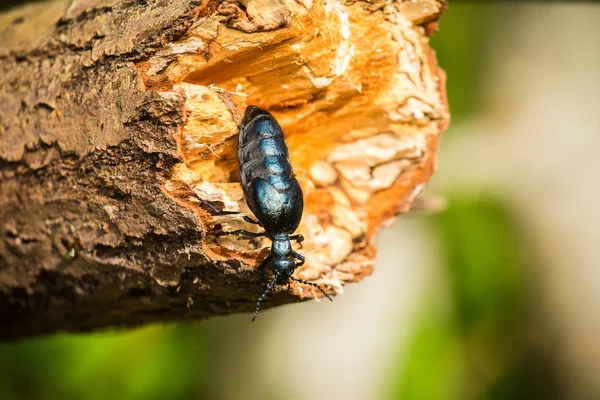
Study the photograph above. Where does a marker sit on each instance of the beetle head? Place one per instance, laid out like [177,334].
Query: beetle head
[284,267]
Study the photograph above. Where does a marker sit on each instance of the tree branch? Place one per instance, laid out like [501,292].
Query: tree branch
[114,116]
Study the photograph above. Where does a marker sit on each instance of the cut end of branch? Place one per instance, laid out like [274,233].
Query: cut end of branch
[358,94]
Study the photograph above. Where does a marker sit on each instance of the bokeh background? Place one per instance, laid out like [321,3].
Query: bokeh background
[496,297]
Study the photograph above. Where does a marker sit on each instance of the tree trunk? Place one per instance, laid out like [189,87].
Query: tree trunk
[115,114]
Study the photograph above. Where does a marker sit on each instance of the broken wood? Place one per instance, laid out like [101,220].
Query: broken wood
[115,115]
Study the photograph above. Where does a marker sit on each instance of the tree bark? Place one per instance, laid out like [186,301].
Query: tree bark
[114,114]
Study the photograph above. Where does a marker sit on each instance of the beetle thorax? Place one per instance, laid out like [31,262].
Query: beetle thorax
[282,247]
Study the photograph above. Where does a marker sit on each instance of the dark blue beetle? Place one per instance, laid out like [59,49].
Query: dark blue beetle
[272,193]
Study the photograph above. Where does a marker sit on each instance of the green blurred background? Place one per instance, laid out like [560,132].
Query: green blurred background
[493,298]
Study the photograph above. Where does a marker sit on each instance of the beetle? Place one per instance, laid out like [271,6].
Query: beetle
[272,193]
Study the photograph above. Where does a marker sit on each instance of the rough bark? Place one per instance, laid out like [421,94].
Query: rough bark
[114,112]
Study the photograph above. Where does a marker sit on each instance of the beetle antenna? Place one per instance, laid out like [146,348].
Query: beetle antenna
[312,284]
[309,250]
[262,296]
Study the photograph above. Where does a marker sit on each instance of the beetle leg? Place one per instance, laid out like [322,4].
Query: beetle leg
[313,285]
[213,208]
[241,232]
[248,219]
[298,238]
[263,264]
[299,257]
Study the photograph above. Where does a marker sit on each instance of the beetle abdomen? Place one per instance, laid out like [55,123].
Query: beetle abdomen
[272,192]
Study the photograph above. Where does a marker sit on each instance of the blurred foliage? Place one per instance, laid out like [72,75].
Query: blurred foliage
[472,341]
[150,363]
[460,46]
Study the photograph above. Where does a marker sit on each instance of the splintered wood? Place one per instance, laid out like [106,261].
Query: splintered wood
[358,93]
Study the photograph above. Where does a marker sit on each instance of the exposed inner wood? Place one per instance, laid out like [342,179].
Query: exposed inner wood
[358,95]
